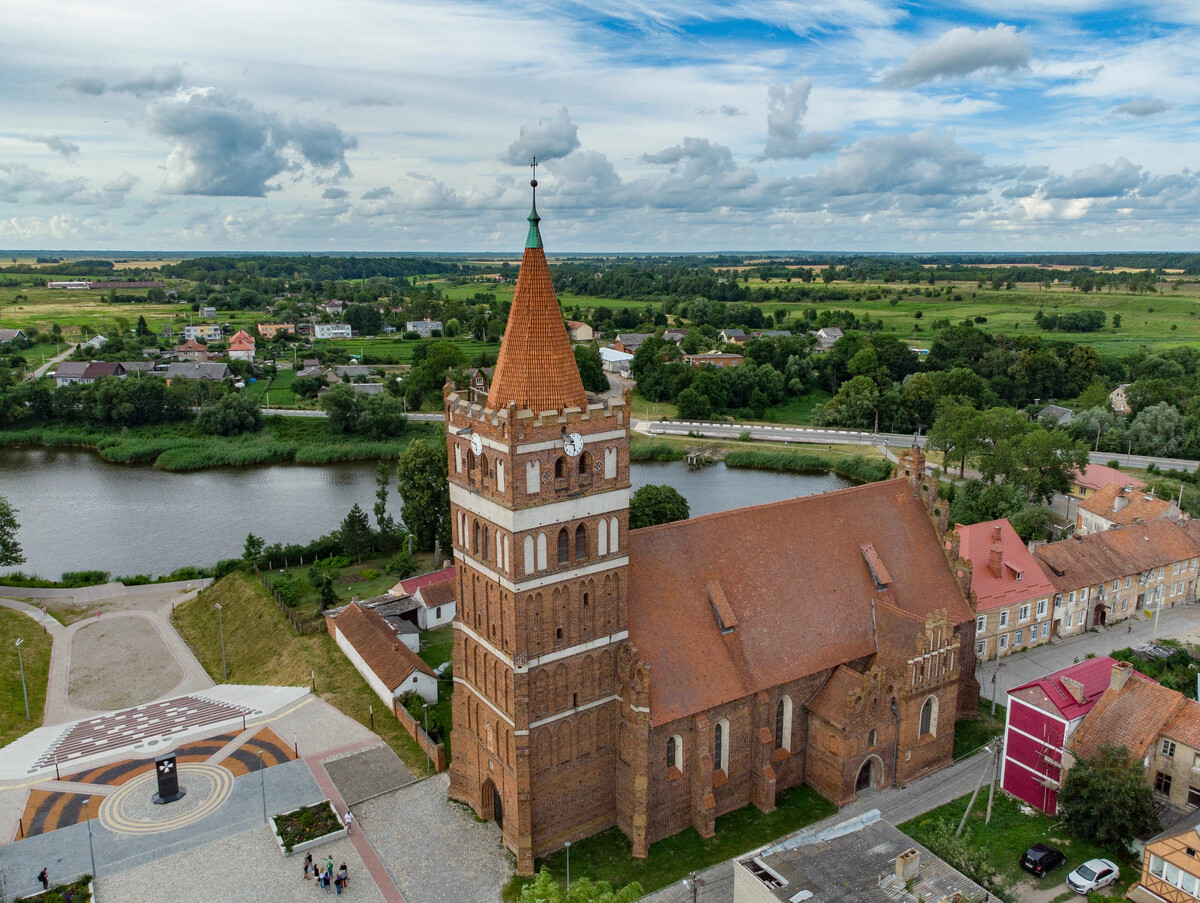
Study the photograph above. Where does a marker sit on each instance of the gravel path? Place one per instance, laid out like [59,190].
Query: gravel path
[118,662]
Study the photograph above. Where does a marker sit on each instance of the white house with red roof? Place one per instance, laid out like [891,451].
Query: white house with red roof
[1042,717]
[436,595]
[1014,599]
[241,347]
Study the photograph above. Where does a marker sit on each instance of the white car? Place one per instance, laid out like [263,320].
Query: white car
[1093,875]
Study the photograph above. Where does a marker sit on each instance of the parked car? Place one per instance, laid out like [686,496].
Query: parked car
[1093,875]
[1041,859]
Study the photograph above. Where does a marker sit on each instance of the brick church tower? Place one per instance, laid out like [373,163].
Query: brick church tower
[539,499]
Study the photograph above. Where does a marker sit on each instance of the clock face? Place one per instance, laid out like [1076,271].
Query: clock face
[477,443]
[573,444]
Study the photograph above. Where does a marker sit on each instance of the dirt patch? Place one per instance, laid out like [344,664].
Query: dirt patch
[120,662]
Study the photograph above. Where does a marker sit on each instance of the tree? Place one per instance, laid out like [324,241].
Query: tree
[253,549]
[587,359]
[424,492]
[342,405]
[953,432]
[10,549]
[233,415]
[1158,430]
[383,520]
[1106,799]
[653,504]
[381,416]
[356,534]
[1041,462]
[545,889]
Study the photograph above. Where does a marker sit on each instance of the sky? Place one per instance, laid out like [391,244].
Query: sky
[672,125]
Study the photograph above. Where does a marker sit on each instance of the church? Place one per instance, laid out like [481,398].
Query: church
[654,680]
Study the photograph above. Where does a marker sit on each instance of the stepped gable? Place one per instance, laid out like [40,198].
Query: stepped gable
[796,578]
[536,368]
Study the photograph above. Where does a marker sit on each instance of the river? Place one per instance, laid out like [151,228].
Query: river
[78,512]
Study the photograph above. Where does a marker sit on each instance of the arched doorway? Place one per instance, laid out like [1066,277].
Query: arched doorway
[869,775]
[491,803]
[1100,615]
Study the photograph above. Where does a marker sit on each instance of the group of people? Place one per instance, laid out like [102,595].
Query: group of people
[324,874]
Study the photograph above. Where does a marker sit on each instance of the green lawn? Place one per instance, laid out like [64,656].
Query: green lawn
[436,648]
[392,349]
[262,648]
[969,736]
[608,856]
[796,409]
[281,394]
[35,652]
[361,580]
[1010,833]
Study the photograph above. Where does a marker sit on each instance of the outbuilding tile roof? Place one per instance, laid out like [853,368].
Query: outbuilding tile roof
[375,640]
[1052,692]
[1020,579]
[1097,476]
[1135,504]
[1132,717]
[1099,557]
[536,367]
[793,575]
[412,584]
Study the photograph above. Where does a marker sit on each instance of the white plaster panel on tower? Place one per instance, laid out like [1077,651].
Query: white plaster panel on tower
[533,478]
[610,463]
[458,457]
[500,476]
[557,512]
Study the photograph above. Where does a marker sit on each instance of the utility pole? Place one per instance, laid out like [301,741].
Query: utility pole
[994,675]
[971,802]
[221,624]
[995,778]
[24,691]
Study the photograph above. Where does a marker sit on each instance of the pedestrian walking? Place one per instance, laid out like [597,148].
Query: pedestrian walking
[344,874]
[337,882]
[44,877]
[308,864]
[349,820]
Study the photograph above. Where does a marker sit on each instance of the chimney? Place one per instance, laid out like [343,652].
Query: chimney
[996,535]
[1120,675]
[908,864]
[1120,502]
[996,560]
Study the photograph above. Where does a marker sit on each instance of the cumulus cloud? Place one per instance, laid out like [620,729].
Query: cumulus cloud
[548,140]
[26,184]
[1141,108]
[377,194]
[68,149]
[960,52]
[1101,180]
[221,145]
[159,80]
[787,106]
[335,194]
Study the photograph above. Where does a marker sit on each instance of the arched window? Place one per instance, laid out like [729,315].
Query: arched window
[580,542]
[487,543]
[675,752]
[483,467]
[564,546]
[871,739]
[585,463]
[529,555]
[929,717]
[541,552]
[721,745]
[475,540]
[783,724]
[602,539]
[612,536]
[560,468]
[470,460]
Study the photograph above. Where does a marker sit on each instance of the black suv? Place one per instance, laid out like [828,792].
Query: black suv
[1040,859]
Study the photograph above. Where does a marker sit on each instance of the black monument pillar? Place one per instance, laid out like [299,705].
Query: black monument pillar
[168,779]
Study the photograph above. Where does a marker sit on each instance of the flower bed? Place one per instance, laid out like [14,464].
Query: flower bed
[307,827]
[78,891]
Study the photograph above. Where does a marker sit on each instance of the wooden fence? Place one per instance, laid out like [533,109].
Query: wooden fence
[301,627]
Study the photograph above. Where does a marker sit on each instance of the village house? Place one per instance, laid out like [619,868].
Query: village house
[580,332]
[477,383]
[1160,728]
[216,370]
[424,328]
[388,666]
[1013,598]
[1118,400]
[435,594]
[351,372]
[241,347]
[332,331]
[618,362]
[270,331]
[1094,477]
[719,359]
[207,313]
[1170,866]
[203,332]
[827,337]
[69,372]
[674,335]
[100,369]
[630,342]
[735,336]
[1055,415]
[9,335]
[314,372]
[95,343]
[655,679]
[1110,576]
[191,350]
[1041,718]
[1121,504]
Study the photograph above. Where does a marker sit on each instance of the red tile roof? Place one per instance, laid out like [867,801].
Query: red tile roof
[1050,693]
[536,367]
[191,345]
[1097,476]
[380,647]
[830,701]
[1135,504]
[436,594]
[793,577]
[1132,717]
[1185,726]
[412,584]
[1020,579]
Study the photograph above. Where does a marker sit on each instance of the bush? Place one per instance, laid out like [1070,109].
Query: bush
[369,573]
[402,565]
[227,566]
[651,450]
[306,824]
[84,578]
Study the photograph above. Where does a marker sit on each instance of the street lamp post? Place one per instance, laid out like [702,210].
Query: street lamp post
[568,867]
[87,818]
[24,691]
[693,881]
[262,780]
[221,625]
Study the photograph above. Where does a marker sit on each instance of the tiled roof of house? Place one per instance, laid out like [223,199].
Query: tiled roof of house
[1115,504]
[793,575]
[536,367]
[1185,726]
[191,345]
[1097,476]
[436,594]
[375,640]
[1020,578]
[71,369]
[412,584]
[241,336]
[1131,717]
[1098,557]
[830,701]
[100,369]
[1070,692]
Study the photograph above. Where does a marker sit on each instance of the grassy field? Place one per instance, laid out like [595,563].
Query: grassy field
[436,648]
[969,736]
[393,349]
[361,580]
[1010,833]
[262,649]
[35,652]
[608,856]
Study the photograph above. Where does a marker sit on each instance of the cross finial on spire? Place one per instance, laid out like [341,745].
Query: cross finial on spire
[533,166]
[534,239]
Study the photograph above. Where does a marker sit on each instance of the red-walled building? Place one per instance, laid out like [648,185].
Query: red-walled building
[1042,716]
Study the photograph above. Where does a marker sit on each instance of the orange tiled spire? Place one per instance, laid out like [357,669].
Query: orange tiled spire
[536,367]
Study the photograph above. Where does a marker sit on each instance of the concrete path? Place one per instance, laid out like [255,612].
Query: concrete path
[42,370]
